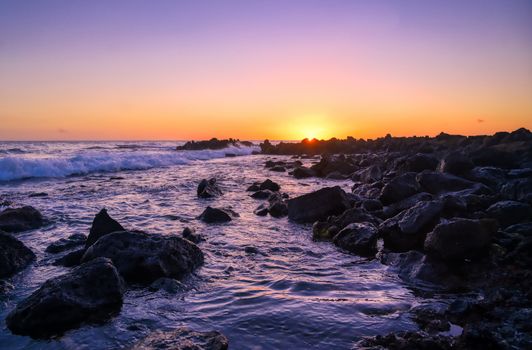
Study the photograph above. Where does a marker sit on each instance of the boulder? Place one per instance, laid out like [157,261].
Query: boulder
[358,238]
[63,244]
[190,234]
[437,183]
[20,219]
[489,176]
[278,168]
[518,190]
[90,293]
[277,207]
[399,188]
[262,194]
[456,163]
[142,257]
[420,162]
[460,239]
[303,172]
[254,187]
[208,189]
[70,259]
[395,208]
[510,212]
[262,210]
[217,215]
[318,205]
[370,174]
[102,224]
[269,185]
[326,230]
[168,285]
[183,339]
[14,255]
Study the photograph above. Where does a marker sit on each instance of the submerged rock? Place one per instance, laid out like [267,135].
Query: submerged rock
[14,255]
[20,219]
[217,215]
[269,185]
[102,224]
[63,244]
[318,205]
[142,257]
[358,238]
[262,194]
[208,189]
[460,239]
[183,339]
[169,285]
[90,293]
[190,234]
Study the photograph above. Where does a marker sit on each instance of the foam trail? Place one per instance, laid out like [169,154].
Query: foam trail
[17,167]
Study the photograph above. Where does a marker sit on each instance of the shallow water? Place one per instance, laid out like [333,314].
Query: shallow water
[293,294]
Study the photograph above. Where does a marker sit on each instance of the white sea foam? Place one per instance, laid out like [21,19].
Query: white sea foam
[93,161]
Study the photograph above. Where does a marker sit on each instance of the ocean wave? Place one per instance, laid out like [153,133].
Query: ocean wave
[17,168]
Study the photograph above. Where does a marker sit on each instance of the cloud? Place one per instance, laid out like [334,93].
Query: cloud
[480,120]
[62,131]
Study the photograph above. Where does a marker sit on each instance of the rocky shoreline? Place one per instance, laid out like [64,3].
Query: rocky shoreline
[449,214]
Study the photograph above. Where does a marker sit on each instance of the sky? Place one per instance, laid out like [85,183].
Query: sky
[256,69]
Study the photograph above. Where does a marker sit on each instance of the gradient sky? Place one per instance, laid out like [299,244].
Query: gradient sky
[263,69]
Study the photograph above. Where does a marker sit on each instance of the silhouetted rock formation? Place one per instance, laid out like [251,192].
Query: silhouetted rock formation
[213,143]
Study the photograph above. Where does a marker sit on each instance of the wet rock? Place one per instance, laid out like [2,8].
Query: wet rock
[262,194]
[278,208]
[318,205]
[370,174]
[168,285]
[5,288]
[524,229]
[399,188]
[358,238]
[456,163]
[437,183]
[461,239]
[142,258]
[269,185]
[213,143]
[489,176]
[333,164]
[371,204]
[262,210]
[102,224]
[20,219]
[14,255]
[510,212]
[407,341]
[368,191]
[278,168]
[407,230]
[253,187]
[303,172]
[395,208]
[518,190]
[208,189]
[90,293]
[217,215]
[190,234]
[183,339]
[251,250]
[38,194]
[326,230]
[70,259]
[63,244]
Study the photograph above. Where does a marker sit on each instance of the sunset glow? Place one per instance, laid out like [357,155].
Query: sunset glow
[255,70]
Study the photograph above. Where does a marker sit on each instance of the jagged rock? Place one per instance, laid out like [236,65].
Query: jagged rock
[183,339]
[399,188]
[190,234]
[20,219]
[510,212]
[208,189]
[91,293]
[102,224]
[63,244]
[142,257]
[318,205]
[358,238]
[460,239]
[14,255]
[217,215]
[269,185]
[456,163]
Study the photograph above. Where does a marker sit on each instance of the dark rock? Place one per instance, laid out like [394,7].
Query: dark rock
[333,164]
[407,229]
[489,176]
[518,190]
[20,219]
[70,259]
[456,163]
[254,187]
[190,234]
[169,285]
[368,191]
[213,143]
[262,210]
[437,183]
[420,162]
[269,185]
[492,156]
[510,212]
[326,230]
[371,204]
[407,341]
[208,189]
[262,194]
[358,238]
[278,168]
[183,339]
[278,208]
[303,172]
[461,239]
[63,244]
[102,224]
[524,229]
[399,188]
[141,257]
[90,293]
[38,194]
[395,208]
[251,250]
[217,215]
[370,174]
[318,205]
[14,255]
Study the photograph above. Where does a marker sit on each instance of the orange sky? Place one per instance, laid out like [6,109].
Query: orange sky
[307,70]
